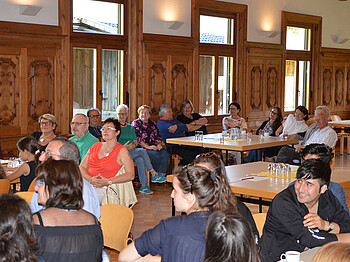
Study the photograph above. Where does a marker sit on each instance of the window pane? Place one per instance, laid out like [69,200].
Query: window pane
[298,38]
[98,17]
[84,79]
[225,83]
[206,85]
[216,30]
[304,74]
[112,81]
[290,85]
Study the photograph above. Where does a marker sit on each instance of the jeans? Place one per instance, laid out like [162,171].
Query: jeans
[159,160]
[140,156]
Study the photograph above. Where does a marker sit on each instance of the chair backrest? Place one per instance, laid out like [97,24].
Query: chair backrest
[116,222]
[27,196]
[32,185]
[4,186]
[259,219]
[335,118]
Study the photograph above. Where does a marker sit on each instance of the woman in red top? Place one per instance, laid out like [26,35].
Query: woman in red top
[104,160]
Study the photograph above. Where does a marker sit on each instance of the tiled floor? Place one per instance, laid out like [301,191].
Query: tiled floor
[150,209]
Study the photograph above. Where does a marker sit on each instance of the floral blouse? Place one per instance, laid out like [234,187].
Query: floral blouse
[146,132]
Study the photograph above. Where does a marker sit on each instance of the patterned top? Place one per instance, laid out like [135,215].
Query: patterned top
[234,123]
[146,132]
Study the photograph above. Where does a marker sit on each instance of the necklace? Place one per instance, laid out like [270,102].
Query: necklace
[123,124]
[108,151]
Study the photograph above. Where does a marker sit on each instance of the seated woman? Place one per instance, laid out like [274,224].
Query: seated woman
[149,138]
[229,239]
[48,124]
[269,126]
[128,138]
[197,192]
[28,149]
[213,163]
[17,236]
[234,121]
[187,116]
[294,124]
[104,160]
[65,231]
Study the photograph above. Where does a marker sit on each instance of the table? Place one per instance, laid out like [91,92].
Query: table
[308,255]
[340,124]
[265,187]
[342,135]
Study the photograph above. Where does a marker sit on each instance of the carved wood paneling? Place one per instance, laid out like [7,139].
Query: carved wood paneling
[9,95]
[339,90]
[158,86]
[272,87]
[41,83]
[326,86]
[348,87]
[256,87]
[179,86]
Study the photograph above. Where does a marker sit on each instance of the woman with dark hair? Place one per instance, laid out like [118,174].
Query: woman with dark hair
[294,124]
[17,236]
[65,231]
[107,163]
[213,163]
[197,192]
[234,120]
[48,124]
[28,149]
[187,116]
[269,126]
[229,239]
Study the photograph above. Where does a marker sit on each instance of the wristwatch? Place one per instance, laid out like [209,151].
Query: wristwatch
[110,183]
[330,227]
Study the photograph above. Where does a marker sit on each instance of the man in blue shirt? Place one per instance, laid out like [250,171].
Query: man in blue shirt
[172,128]
[62,148]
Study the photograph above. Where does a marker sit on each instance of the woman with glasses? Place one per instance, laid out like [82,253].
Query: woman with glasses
[148,137]
[94,115]
[48,124]
[269,126]
[187,116]
[65,231]
[102,164]
[198,192]
[128,138]
[234,121]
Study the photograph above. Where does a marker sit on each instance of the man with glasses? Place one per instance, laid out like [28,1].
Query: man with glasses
[318,133]
[62,148]
[94,115]
[82,137]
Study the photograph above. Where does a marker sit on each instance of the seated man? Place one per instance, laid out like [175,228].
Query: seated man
[82,137]
[172,128]
[304,215]
[62,148]
[318,133]
[323,152]
[94,115]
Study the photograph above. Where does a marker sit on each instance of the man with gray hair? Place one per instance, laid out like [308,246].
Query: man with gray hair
[318,133]
[172,128]
[62,148]
[82,137]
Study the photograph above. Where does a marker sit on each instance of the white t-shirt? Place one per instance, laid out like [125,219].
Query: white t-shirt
[292,126]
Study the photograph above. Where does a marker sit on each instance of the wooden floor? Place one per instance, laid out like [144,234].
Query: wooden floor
[150,209]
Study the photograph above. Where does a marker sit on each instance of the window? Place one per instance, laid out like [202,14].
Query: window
[98,57]
[216,61]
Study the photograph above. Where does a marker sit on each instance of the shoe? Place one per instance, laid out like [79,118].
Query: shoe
[145,189]
[158,179]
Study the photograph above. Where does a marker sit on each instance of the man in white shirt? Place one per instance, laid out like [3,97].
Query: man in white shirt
[318,133]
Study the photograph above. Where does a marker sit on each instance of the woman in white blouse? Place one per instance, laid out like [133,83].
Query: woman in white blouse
[294,123]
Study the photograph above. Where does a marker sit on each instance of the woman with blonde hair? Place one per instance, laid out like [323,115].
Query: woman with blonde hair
[334,251]
[48,124]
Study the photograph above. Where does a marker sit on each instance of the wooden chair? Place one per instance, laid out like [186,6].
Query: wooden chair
[4,186]
[27,196]
[116,222]
[260,219]
[341,134]
[32,185]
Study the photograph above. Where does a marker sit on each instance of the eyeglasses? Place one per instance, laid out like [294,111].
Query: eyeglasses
[122,114]
[206,155]
[233,108]
[94,116]
[45,123]
[40,183]
[108,128]
[77,123]
[274,113]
